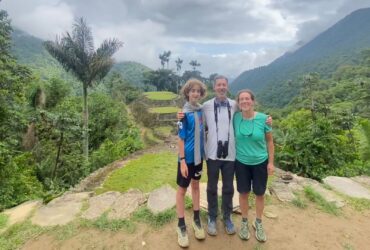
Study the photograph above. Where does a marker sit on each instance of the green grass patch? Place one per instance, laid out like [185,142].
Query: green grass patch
[146,173]
[143,214]
[164,110]
[163,131]
[358,203]
[104,224]
[188,202]
[3,220]
[150,139]
[326,206]
[18,234]
[65,232]
[299,202]
[160,95]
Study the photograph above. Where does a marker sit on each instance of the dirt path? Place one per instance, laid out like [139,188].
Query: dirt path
[294,228]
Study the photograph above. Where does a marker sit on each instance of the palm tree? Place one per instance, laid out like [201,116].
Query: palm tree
[75,52]
[194,64]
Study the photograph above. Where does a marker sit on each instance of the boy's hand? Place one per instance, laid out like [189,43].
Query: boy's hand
[184,169]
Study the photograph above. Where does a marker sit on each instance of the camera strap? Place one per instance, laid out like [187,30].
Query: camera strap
[218,105]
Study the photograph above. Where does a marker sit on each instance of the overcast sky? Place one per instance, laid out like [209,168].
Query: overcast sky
[225,37]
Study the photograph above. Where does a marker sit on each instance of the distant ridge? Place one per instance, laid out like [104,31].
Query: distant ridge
[338,45]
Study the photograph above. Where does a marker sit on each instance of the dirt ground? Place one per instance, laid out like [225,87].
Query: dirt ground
[294,228]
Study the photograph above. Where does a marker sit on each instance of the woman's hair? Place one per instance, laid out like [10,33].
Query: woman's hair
[185,90]
[244,91]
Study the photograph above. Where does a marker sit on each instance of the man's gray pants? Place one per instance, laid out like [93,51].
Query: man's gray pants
[227,169]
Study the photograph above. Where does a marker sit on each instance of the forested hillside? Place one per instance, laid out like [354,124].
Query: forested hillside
[29,51]
[277,83]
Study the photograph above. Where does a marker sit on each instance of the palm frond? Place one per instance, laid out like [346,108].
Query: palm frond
[109,47]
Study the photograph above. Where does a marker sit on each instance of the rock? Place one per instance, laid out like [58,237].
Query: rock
[60,211]
[347,186]
[126,204]
[282,191]
[270,214]
[99,204]
[363,180]
[162,199]
[328,195]
[21,212]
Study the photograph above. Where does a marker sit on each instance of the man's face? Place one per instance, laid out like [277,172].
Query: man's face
[221,88]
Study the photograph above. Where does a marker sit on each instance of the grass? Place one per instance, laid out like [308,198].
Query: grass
[143,214]
[164,110]
[150,139]
[326,206]
[163,131]
[147,173]
[160,95]
[19,234]
[299,202]
[104,224]
[65,232]
[358,204]
[3,220]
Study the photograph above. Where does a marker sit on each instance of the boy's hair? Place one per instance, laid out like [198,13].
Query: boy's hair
[189,85]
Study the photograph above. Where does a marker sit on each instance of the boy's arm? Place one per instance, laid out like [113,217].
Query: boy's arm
[183,166]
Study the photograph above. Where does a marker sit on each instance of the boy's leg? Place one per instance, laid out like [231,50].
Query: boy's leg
[180,202]
[195,194]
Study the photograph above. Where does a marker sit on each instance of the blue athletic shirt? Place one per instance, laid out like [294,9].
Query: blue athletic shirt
[186,133]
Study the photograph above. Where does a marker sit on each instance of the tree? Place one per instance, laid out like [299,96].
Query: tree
[165,58]
[194,64]
[178,64]
[75,52]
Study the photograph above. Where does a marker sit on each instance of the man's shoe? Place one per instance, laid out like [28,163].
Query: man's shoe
[198,231]
[229,226]
[260,233]
[212,227]
[244,231]
[182,237]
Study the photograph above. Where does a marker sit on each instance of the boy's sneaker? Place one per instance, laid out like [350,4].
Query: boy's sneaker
[198,231]
[182,237]
[229,226]
[212,227]
[244,231]
[260,233]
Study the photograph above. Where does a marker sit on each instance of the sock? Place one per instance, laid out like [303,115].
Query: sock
[181,223]
[244,219]
[258,220]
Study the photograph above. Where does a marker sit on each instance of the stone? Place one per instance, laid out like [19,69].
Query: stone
[282,191]
[328,195]
[60,211]
[363,180]
[162,199]
[21,212]
[100,204]
[347,187]
[126,204]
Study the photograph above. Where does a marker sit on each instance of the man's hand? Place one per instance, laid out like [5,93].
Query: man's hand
[269,120]
[180,115]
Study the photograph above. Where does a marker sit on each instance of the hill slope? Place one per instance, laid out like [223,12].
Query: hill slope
[338,45]
[30,51]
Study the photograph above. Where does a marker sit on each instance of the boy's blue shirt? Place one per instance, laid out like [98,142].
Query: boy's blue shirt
[186,133]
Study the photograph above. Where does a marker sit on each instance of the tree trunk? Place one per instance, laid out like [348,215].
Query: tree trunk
[58,156]
[85,127]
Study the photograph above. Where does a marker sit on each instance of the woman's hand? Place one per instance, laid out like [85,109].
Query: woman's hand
[184,169]
[270,168]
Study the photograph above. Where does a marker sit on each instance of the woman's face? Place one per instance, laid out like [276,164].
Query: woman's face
[245,102]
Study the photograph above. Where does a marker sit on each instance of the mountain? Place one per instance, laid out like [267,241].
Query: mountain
[277,83]
[30,51]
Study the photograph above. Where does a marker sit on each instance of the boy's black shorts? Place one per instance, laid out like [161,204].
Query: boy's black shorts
[251,175]
[194,172]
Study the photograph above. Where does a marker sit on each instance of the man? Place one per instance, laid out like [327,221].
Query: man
[220,151]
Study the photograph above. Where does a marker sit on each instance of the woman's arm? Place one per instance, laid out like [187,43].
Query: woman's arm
[183,166]
[270,150]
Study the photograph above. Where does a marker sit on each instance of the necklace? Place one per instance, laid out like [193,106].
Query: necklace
[248,125]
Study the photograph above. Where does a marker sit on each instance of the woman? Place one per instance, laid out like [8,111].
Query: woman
[254,160]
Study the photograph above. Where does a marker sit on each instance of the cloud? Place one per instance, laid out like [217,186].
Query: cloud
[224,36]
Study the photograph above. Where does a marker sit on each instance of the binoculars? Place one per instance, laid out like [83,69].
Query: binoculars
[222,149]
